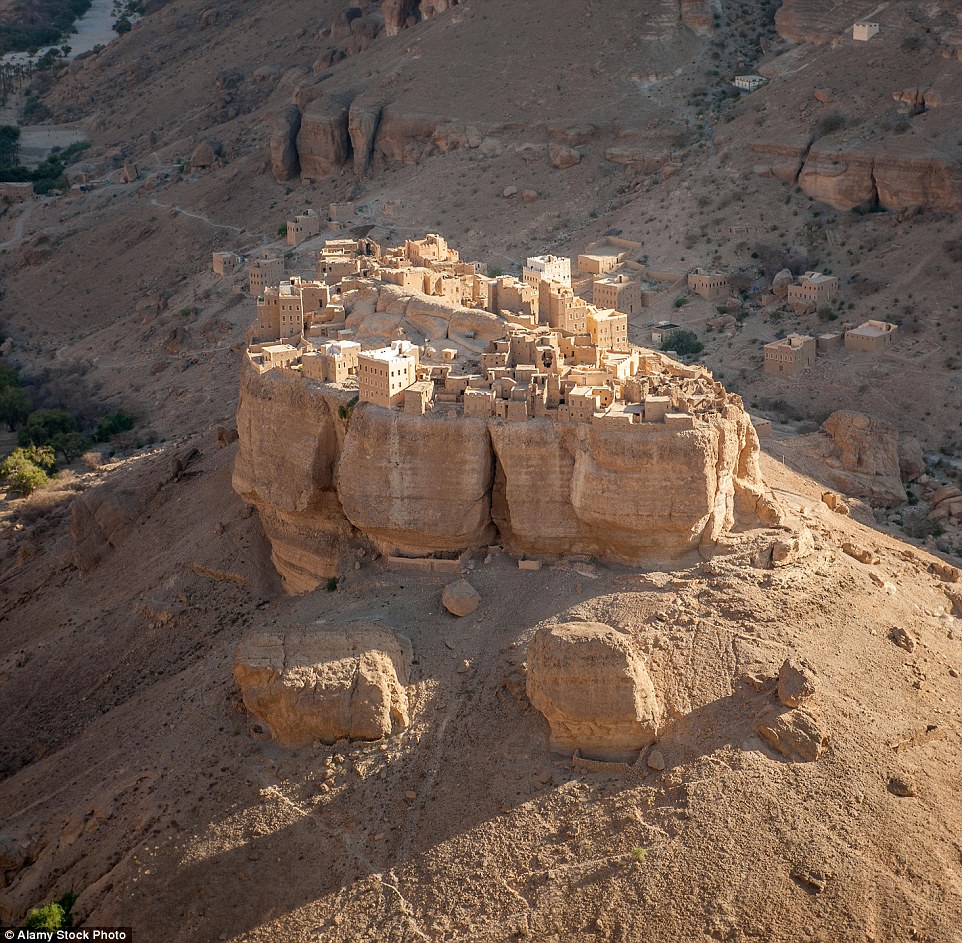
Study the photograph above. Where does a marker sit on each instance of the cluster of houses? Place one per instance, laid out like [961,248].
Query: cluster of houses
[559,357]
[796,352]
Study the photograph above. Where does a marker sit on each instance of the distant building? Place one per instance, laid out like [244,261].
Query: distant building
[870,337]
[331,363]
[385,373]
[664,331]
[863,31]
[813,288]
[342,212]
[710,285]
[791,355]
[748,83]
[607,328]
[617,291]
[302,227]
[265,272]
[549,268]
[225,263]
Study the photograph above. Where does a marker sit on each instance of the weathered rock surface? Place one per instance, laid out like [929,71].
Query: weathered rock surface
[594,690]
[290,478]
[460,598]
[398,484]
[386,478]
[796,734]
[285,126]
[100,521]
[204,155]
[323,142]
[862,454]
[562,156]
[797,682]
[328,682]
[899,181]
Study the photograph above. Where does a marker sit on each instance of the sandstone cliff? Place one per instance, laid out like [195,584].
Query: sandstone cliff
[323,477]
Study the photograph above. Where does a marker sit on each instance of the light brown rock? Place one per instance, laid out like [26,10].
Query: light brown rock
[328,682]
[592,687]
[863,457]
[903,638]
[796,734]
[562,156]
[862,554]
[797,682]
[460,598]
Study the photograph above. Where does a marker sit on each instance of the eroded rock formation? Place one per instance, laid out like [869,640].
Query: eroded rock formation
[593,689]
[862,454]
[323,475]
[327,683]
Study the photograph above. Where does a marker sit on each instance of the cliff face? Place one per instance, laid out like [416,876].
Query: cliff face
[849,178]
[415,485]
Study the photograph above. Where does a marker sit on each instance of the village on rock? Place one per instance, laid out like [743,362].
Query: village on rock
[495,345]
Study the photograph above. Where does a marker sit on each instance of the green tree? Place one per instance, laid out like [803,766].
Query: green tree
[70,445]
[15,405]
[110,425]
[41,427]
[9,144]
[684,343]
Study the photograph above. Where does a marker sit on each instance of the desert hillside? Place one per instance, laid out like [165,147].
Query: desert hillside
[131,772]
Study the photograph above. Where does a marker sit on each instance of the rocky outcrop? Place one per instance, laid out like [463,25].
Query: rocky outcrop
[327,683]
[285,126]
[847,178]
[418,485]
[797,734]
[364,118]
[401,486]
[323,141]
[593,689]
[862,455]
[402,14]
[813,21]
[289,478]
[697,16]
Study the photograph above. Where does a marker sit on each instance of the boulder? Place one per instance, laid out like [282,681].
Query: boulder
[862,454]
[592,687]
[787,549]
[226,435]
[13,854]
[562,156]
[460,598]
[780,283]
[204,155]
[903,638]
[328,682]
[796,734]
[911,458]
[797,682]
[285,126]
[862,554]
[529,196]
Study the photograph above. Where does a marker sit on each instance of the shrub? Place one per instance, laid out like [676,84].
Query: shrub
[53,916]
[331,584]
[110,425]
[24,469]
[684,343]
